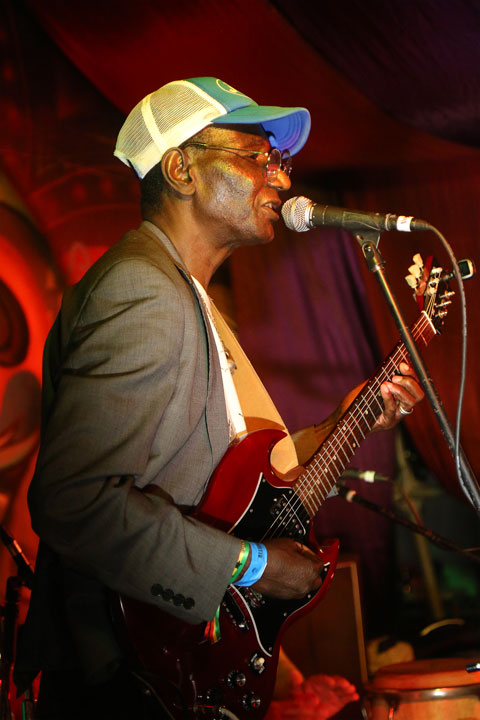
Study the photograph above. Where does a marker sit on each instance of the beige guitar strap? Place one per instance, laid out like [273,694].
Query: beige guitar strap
[257,406]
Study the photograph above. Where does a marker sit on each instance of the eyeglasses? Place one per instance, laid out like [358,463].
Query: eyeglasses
[276,160]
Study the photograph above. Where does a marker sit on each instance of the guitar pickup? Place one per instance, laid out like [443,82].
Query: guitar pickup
[235,612]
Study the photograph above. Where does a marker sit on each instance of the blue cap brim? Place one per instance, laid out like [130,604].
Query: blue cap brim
[290,126]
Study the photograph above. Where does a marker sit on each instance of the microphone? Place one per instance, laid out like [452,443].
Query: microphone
[301,214]
[369,476]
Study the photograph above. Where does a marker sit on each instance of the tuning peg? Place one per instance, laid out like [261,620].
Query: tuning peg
[435,274]
[415,270]
[444,303]
[417,259]
[411,281]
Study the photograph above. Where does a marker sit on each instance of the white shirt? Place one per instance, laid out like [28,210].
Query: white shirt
[236,420]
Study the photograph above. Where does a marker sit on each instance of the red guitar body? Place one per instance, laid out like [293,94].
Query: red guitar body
[191,676]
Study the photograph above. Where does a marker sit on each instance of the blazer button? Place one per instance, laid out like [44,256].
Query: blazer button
[156,590]
[188,603]
[178,599]
[168,594]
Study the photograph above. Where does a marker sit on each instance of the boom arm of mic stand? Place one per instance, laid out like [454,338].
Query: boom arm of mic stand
[375,263]
[352,496]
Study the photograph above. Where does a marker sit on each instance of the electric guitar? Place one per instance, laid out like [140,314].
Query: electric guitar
[193,677]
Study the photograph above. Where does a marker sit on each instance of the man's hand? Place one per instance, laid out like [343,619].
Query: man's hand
[292,570]
[400,395]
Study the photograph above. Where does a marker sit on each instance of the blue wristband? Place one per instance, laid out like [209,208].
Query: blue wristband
[258,563]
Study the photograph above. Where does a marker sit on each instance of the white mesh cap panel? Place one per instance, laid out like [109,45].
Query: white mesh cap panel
[164,119]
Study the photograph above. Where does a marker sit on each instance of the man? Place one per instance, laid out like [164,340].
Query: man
[139,403]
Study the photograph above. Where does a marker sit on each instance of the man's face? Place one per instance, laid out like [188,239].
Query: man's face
[233,197]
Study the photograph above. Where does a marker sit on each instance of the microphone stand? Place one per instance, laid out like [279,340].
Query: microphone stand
[351,496]
[8,615]
[375,263]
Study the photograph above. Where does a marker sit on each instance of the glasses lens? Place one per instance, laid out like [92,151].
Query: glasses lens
[273,163]
[286,163]
[278,161]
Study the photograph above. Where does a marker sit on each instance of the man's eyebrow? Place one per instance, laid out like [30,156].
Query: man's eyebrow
[258,143]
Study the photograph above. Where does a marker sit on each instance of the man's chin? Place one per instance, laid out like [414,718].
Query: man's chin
[266,235]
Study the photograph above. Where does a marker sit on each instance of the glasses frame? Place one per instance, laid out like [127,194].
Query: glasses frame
[276,160]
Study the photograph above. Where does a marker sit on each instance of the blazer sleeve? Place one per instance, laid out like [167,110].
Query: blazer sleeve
[117,374]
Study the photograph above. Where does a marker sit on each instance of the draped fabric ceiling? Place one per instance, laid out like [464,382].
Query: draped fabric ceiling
[392,88]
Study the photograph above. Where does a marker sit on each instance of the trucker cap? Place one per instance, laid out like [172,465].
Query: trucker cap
[175,112]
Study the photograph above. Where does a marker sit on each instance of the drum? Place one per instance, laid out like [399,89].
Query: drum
[439,689]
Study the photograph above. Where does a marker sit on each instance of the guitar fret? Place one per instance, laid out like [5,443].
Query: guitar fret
[323,473]
[358,426]
[332,461]
[319,474]
[341,427]
[340,444]
[313,488]
[305,494]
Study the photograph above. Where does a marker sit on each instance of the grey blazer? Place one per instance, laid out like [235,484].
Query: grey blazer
[133,397]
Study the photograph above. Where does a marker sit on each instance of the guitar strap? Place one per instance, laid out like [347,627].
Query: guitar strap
[257,406]
[258,409]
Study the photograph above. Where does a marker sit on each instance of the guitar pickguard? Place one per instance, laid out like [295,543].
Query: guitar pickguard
[274,511]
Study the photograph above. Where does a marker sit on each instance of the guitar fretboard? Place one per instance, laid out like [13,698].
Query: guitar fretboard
[326,466]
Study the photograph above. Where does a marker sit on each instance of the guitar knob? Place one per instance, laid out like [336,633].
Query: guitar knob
[257,663]
[236,678]
[250,701]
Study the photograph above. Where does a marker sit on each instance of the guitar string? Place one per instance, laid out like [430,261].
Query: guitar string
[309,481]
[390,365]
[352,418]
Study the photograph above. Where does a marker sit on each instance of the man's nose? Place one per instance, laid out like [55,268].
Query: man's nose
[281,181]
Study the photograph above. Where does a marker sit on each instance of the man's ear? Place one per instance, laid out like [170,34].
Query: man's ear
[175,171]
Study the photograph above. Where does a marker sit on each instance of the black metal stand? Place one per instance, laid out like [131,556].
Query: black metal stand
[375,263]
[352,496]
[8,615]
[8,618]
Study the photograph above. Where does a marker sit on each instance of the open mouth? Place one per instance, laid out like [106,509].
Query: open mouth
[272,207]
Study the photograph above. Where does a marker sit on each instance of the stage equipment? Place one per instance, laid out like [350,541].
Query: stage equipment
[424,690]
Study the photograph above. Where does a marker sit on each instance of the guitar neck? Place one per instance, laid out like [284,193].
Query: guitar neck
[322,472]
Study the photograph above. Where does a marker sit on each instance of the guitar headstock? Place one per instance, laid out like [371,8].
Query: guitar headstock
[430,289]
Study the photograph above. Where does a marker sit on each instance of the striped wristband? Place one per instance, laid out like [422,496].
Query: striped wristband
[242,559]
[258,563]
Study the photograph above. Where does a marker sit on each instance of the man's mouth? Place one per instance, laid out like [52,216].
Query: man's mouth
[273,206]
